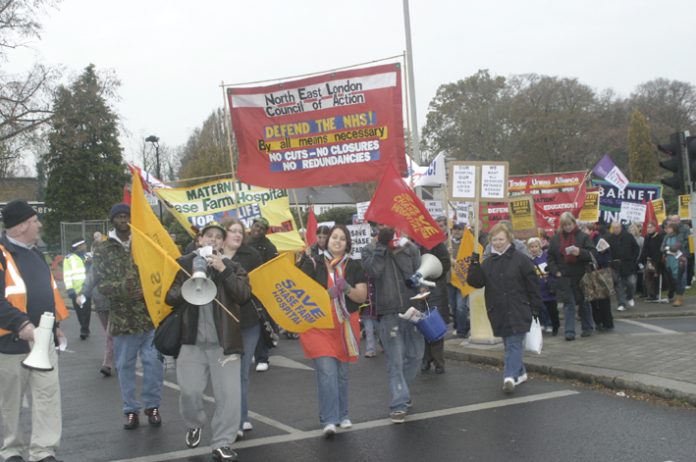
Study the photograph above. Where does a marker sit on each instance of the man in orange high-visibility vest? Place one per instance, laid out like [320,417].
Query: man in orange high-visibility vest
[27,290]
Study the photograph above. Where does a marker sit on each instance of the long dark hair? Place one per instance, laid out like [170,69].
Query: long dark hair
[349,242]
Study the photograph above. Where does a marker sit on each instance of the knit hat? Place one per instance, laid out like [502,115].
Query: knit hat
[216,225]
[119,208]
[263,221]
[15,212]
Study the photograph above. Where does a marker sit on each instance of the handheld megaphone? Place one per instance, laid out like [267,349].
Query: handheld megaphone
[38,358]
[430,268]
[199,290]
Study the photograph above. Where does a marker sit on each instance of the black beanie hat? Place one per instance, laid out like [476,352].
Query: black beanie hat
[119,208]
[15,212]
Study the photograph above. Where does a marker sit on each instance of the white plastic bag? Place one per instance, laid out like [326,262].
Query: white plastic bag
[534,340]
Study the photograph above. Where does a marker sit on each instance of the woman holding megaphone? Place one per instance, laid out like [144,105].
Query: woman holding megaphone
[211,341]
[332,349]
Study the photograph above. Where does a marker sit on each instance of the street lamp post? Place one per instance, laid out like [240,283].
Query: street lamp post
[155,142]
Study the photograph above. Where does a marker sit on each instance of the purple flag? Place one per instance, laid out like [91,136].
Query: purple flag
[607,170]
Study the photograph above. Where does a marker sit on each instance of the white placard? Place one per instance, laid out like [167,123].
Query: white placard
[464,182]
[362,208]
[632,212]
[464,211]
[434,208]
[360,236]
[493,182]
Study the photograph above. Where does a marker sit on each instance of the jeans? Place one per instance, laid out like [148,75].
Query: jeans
[261,351]
[370,344]
[460,308]
[514,351]
[403,347]
[126,350]
[625,287]
[332,387]
[250,337]
[575,298]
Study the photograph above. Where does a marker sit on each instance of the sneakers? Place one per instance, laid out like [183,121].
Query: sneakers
[193,437]
[521,379]
[346,423]
[548,329]
[398,417]
[569,337]
[105,371]
[132,421]
[439,369]
[329,430]
[225,453]
[370,354]
[153,416]
[247,426]
[621,308]
[508,384]
[261,367]
[631,303]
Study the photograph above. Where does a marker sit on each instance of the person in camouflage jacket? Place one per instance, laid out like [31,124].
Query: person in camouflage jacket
[130,324]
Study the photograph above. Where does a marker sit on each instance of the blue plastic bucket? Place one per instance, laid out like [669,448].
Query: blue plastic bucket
[432,326]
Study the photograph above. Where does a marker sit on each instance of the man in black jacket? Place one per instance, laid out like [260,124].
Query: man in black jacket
[624,253]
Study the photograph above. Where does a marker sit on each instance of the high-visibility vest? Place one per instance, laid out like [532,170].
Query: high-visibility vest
[16,290]
[74,272]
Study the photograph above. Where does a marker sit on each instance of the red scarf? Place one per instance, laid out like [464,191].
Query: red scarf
[568,240]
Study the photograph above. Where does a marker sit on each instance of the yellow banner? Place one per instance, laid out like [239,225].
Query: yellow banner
[460,268]
[659,208]
[154,252]
[194,206]
[294,300]
[684,206]
[589,213]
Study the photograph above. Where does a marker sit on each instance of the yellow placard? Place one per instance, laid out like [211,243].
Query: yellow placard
[523,217]
[684,206]
[660,211]
[589,213]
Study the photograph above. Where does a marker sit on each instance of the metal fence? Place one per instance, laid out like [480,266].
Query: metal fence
[70,231]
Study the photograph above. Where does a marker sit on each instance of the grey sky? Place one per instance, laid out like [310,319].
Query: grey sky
[171,56]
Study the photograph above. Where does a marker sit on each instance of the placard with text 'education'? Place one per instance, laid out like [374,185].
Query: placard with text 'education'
[330,129]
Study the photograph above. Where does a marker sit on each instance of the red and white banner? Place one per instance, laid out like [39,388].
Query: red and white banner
[331,129]
[553,194]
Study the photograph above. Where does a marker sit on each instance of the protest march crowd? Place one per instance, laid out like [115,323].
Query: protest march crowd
[248,276]
[524,280]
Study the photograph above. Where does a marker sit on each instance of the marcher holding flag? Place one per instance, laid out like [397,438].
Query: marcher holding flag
[332,349]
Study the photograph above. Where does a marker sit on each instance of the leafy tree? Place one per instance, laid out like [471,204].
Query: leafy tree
[465,120]
[206,152]
[25,98]
[669,105]
[642,164]
[341,215]
[84,164]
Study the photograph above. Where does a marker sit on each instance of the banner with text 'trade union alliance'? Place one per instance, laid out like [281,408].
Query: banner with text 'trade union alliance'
[330,129]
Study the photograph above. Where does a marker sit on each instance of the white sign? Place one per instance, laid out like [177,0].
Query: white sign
[434,208]
[359,236]
[434,174]
[492,182]
[362,208]
[464,211]
[631,211]
[464,182]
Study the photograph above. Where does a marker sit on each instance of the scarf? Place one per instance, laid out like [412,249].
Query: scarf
[568,240]
[336,267]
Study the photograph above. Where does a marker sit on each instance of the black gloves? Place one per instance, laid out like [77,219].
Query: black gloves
[474,259]
[385,236]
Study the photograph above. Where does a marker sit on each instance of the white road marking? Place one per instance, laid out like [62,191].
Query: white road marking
[302,435]
[644,325]
[282,361]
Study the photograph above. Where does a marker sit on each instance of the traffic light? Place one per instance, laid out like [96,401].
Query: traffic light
[674,164]
[691,156]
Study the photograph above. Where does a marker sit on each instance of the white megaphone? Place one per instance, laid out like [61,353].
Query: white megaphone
[38,358]
[430,268]
[199,290]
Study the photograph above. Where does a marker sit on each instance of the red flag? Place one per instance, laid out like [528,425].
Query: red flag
[649,218]
[126,195]
[311,234]
[394,204]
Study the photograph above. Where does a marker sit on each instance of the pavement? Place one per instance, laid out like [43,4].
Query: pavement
[655,360]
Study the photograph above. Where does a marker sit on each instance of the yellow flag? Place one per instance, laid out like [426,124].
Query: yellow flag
[460,268]
[294,300]
[154,252]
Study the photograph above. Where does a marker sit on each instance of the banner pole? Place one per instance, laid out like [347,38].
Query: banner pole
[299,211]
[228,128]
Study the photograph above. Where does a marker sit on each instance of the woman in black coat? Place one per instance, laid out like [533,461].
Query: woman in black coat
[512,298]
[570,252]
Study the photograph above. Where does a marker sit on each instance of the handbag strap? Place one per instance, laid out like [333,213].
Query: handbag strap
[594,264]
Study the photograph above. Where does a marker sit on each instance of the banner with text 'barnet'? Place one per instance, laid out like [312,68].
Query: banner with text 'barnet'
[336,128]
[194,206]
